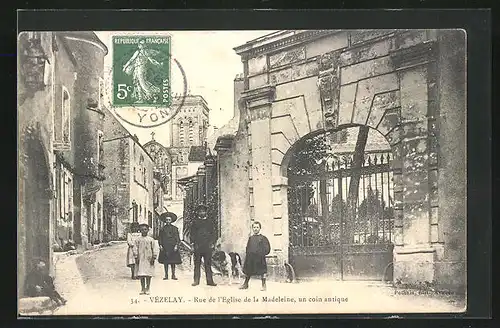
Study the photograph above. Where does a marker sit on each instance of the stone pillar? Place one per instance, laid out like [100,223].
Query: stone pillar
[280,233]
[209,176]
[212,199]
[258,103]
[413,255]
[450,234]
[195,192]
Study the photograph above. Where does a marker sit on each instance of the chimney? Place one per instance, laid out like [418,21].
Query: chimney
[239,86]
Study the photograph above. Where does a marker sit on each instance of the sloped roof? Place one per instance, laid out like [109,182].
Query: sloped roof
[197,154]
[229,129]
[87,36]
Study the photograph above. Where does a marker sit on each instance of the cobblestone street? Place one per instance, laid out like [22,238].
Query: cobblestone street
[98,283]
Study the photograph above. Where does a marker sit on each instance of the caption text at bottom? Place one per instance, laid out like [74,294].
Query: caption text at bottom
[233,299]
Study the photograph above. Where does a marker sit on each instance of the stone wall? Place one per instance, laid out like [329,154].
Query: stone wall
[87,83]
[64,80]
[449,217]
[235,203]
[158,204]
[117,167]
[141,191]
[116,185]
[233,159]
[87,48]
[65,72]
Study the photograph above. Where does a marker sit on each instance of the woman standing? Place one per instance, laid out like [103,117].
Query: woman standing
[169,241]
[132,235]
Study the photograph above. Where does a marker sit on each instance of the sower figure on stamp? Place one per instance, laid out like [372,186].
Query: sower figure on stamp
[169,241]
[255,260]
[137,66]
[40,283]
[203,243]
[145,254]
[132,235]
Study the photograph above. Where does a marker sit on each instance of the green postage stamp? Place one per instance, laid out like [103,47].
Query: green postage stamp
[141,71]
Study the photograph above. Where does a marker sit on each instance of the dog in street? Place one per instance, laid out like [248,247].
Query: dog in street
[228,263]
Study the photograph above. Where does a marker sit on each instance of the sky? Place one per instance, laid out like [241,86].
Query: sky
[210,65]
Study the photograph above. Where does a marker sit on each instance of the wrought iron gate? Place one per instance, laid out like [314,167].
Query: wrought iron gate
[338,234]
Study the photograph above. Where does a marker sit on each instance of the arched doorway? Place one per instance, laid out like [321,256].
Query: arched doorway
[36,204]
[340,205]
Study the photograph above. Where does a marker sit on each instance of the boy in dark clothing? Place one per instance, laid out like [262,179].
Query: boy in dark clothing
[255,260]
[203,240]
[39,283]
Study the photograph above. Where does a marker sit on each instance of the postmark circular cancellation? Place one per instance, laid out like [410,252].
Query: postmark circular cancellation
[141,80]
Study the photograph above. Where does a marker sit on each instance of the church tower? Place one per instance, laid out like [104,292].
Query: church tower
[191,123]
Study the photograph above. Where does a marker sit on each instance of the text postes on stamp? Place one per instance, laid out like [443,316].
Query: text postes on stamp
[141,71]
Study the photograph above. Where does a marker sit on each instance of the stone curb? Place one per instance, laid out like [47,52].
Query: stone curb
[35,306]
[104,245]
[58,255]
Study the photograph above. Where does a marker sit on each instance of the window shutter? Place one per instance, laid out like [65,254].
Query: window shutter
[62,118]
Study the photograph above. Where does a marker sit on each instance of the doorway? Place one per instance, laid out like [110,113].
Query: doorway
[37,205]
[340,206]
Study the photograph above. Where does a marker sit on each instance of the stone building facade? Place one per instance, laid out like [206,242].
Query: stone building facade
[409,85]
[59,120]
[158,199]
[129,184]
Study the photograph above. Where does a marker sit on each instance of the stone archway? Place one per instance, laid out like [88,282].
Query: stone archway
[36,196]
[289,117]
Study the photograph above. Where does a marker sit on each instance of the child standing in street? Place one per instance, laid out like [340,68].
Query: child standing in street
[145,254]
[255,260]
[132,235]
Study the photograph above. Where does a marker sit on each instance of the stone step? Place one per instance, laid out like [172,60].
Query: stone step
[38,305]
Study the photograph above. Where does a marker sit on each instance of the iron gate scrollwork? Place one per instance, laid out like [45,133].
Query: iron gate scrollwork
[332,233]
